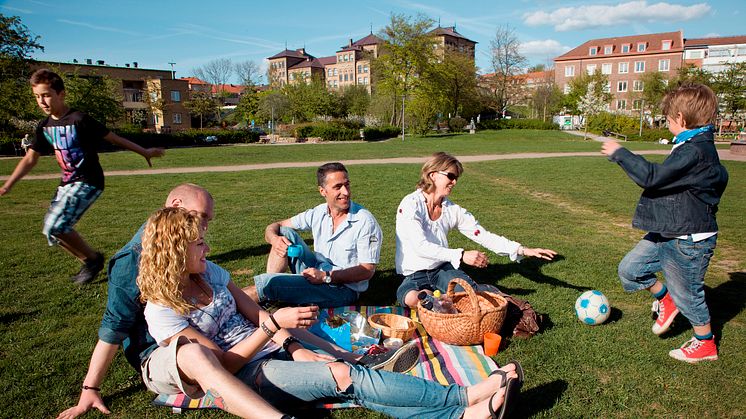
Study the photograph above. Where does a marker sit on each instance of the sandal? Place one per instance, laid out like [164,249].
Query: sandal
[502,374]
[511,395]
[518,370]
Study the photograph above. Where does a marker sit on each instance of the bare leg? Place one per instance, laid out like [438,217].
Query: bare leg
[656,288]
[277,261]
[199,364]
[410,299]
[703,330]
[481,411]
[250,290]
[76,246]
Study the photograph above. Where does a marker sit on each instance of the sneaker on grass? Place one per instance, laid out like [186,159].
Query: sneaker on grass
[401,360]
[695,350]
[667,311]
[89,270]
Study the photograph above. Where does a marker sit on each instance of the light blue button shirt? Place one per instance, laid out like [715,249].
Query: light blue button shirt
[357,240]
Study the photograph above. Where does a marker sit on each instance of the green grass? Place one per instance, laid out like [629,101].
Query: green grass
[579,206]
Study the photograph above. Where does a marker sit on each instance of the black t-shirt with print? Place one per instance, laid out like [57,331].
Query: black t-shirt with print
[74,139]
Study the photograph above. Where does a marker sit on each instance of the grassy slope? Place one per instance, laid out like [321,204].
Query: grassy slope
[578,206]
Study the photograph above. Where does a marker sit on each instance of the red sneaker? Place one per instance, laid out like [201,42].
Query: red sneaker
[667,311]
[695,350]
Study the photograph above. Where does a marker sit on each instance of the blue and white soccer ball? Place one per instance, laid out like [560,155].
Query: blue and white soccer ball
[592,307]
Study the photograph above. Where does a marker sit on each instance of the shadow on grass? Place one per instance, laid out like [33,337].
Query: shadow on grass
[540,398]
[14,316]
[528,268]
[238,254]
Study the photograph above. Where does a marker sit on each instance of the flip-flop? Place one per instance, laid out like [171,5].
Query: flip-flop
[501,373]
[511,395]
[518,369]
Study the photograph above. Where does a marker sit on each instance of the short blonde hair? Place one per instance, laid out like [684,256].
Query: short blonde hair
[696,102]
[438,161]
[165,240]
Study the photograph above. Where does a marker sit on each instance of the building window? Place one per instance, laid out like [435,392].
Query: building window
[177,118]
[592,50]
[621,86]
[741,51]
[666,45]
[329,72]
[606,68]
[608,49]
[365,68]
[346,77]
[566,89]
[623,68]
[641,47]
[335,71]
[695,54]
[359,68]
[638,85]
[621,104]
[639,66]
[664,65]
[359,80]
[175,96]
[625,48]
[365,80]
[607,87]
[590,68]
[340,77]
[722,52]
[637,104]
[569,71]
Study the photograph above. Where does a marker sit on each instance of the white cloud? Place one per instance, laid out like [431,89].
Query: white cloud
[711,35]
[594,16]
[547,48]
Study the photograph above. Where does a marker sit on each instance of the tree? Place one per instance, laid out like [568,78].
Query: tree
[730,86]
[95,95]
[273,106]
[248,73]
[16,102]
[405,53]
[202,104]
[654,87]
[507,62]
[309,98]
[217,72]
[546,100]
[591,103]
[451,83]
[354,100]
[248,104]
[579,87]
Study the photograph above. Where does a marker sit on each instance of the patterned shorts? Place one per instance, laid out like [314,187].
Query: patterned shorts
[68,205]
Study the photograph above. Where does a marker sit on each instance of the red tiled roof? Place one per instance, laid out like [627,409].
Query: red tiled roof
[653,45]
[720,40]
[193,80]
[448,31]
[228,88]
[368,40]
[332,59]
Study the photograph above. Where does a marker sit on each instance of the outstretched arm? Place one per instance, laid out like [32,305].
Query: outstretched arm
[148,153]
[24,166]
[103,355]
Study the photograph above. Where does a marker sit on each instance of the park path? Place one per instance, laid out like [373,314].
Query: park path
[724,155]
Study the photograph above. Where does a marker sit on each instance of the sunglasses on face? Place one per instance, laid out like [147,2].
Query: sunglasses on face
[449,175]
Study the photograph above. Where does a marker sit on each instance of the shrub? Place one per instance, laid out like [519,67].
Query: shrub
[456,124]
[517,124]
[381,133]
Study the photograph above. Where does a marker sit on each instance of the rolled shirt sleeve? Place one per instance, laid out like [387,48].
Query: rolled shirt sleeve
[468,225]
[368,243]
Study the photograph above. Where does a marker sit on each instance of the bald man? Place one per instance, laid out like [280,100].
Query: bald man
[124,324]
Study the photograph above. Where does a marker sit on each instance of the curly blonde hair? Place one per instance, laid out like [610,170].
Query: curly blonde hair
[438,161]
[165,240]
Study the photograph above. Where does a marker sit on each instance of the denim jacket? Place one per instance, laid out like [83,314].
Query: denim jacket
[680,195]
[124,320]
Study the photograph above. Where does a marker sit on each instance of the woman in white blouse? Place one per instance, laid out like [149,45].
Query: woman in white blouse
[423,221]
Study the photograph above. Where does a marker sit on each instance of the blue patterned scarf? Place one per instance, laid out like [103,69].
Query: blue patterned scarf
[688,134]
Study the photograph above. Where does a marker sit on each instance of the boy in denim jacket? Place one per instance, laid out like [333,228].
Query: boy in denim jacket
[677,208]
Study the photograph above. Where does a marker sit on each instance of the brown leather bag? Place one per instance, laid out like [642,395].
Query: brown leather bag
[521,320]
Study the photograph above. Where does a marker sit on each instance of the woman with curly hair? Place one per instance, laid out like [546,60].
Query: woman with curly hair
[191,299]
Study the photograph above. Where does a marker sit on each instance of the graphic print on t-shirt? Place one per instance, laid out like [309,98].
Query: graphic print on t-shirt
[67,150]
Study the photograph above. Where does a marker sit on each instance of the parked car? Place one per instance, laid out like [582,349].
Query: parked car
[210,139]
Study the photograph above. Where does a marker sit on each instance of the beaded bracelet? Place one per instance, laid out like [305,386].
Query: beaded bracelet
[289,341]
[266,330]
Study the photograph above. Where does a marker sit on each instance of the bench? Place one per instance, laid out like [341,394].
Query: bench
[615,134]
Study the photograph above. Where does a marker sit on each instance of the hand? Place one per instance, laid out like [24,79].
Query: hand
[88,399]
[280,246]
[4,190]
[539,253]
[153,152]
[475,258]
[314,275]
[296,317]
[307,355]
[609,147]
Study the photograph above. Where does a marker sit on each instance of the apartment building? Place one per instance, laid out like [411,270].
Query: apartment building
[715,54]
[623,60]
[522,86]
[134,84]
[351,65]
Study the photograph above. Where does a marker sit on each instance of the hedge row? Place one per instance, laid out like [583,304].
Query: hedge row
[517,124]
[332,131]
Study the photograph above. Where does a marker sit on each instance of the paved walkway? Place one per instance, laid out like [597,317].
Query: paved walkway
[724,155]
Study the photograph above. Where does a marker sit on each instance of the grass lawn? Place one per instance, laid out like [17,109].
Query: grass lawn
[579,206]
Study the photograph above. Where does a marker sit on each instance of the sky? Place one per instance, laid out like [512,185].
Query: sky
[191,33]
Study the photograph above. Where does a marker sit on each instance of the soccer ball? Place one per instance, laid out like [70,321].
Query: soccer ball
[592,307]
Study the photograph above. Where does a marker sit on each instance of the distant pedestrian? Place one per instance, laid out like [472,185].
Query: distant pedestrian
[74,137]
[25,143]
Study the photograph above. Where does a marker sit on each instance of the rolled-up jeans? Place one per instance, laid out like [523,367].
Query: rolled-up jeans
[294,288]
[433,279]
[683,262]
[283,382]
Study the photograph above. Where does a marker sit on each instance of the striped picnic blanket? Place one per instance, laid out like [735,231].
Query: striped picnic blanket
[446,364]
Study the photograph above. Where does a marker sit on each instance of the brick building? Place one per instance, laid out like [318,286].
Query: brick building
[134,84]
[623,60]
[714,54]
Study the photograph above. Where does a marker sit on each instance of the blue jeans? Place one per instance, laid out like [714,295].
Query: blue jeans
[433,279]
[283,382]
[294,288]
[683,263]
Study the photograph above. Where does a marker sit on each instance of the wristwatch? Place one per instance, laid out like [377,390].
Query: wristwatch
[327,277]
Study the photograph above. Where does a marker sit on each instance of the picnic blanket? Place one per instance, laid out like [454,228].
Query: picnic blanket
[446,364]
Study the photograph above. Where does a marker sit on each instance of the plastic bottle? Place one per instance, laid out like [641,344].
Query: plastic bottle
[430,303]
[445,302]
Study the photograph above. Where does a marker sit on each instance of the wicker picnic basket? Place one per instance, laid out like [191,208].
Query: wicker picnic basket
[479,313]
[393,325]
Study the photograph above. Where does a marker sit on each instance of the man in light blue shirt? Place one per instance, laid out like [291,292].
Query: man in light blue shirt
[347,246]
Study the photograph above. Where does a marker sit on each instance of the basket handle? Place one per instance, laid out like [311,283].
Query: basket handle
[469,292]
